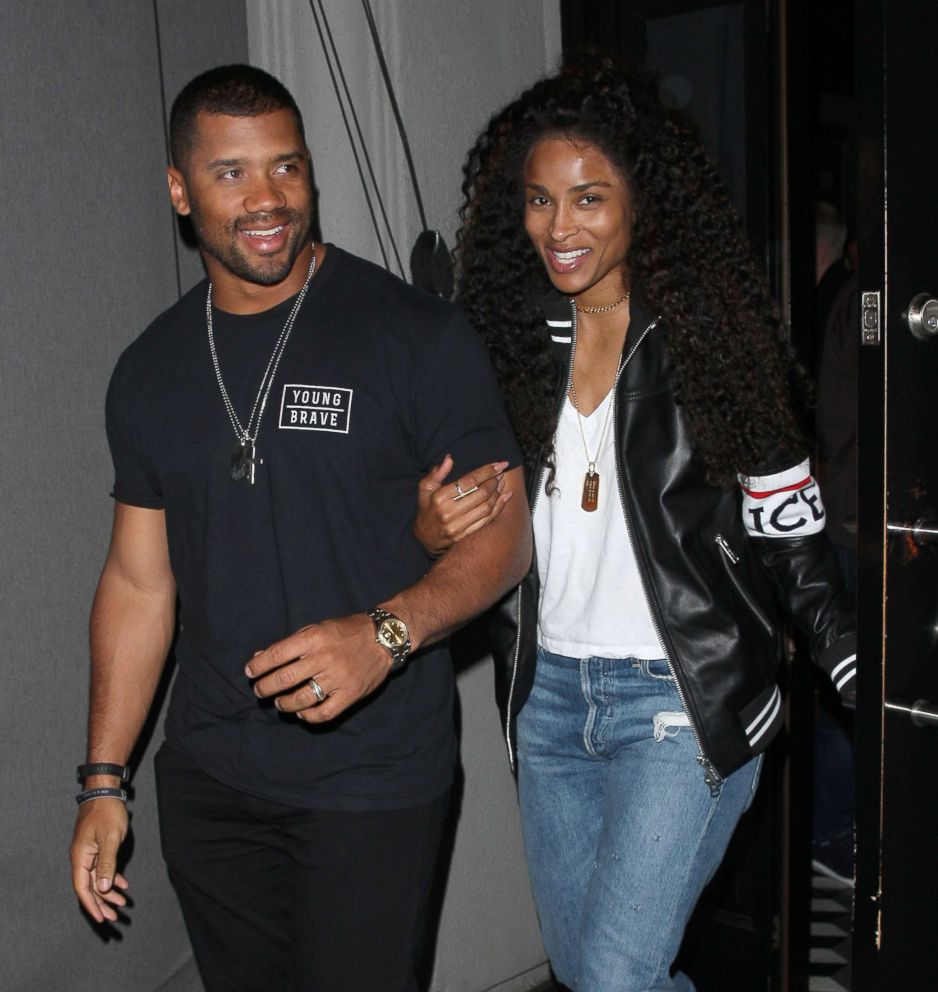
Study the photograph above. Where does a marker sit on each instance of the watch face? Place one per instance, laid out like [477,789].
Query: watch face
[393,633]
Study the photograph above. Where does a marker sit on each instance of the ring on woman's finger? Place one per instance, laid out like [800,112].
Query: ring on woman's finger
[317,688]
[462,493]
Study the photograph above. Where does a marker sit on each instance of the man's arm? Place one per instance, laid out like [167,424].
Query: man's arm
[342,654]
[132,623]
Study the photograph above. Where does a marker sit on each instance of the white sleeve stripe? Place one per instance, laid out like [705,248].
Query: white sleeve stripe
[769,721]
[560,339]
[794,511]
[560,323]
[839,685]
[772,699]
[849,660]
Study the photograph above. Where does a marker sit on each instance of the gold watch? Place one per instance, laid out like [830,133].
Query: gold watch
[392,634]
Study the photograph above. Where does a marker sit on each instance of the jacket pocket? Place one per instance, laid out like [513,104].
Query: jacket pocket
[730,562]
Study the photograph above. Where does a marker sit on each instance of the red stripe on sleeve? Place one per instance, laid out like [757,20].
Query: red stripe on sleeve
[756,494]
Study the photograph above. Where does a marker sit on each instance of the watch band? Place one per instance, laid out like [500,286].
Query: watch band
[103,768]
[398,652]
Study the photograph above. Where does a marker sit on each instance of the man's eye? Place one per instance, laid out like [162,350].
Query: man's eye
[286,168]
[231,174]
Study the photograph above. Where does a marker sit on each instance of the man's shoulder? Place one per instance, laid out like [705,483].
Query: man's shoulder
[373,289]
[181,314]
[170,327]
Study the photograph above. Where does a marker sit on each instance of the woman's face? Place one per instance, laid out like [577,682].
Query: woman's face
[578,215]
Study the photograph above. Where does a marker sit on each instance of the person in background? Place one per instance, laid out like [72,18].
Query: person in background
[832,271]
[650,381]
[835,424]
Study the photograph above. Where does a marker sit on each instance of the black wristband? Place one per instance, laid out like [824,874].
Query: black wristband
[103,768]
[89,794]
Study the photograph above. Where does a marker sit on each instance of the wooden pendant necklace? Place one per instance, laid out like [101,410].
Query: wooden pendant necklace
[589,501]
[590,498]
[244,460]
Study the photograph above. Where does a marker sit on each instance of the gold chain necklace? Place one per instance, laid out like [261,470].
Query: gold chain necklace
[606,307]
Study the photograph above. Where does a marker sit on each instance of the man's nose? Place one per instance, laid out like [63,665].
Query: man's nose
[264,196]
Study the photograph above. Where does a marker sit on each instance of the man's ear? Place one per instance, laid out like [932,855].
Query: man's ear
[178,194]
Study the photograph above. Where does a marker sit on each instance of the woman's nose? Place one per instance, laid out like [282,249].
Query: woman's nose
[562,223]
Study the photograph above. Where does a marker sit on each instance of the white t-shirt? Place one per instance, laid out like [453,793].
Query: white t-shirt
[592,603]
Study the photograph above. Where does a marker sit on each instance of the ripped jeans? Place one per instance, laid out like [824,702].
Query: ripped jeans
[620,830]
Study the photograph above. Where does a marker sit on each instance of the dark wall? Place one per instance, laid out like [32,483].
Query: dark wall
[89,258]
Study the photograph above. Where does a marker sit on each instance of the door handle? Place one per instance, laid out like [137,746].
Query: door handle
[923,531]
[922,713]
[922,316]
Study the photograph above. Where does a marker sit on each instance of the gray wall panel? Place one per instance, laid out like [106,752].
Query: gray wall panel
[88,260]
[185,53]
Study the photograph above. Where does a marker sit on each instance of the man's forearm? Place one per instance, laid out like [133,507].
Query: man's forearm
[131,631]
[472,575]
[342,656]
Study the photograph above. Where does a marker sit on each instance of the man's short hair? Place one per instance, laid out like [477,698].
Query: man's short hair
[236,90]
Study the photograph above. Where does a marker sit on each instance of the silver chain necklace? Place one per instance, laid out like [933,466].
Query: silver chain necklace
[590,498]
[589,501]
[243,460]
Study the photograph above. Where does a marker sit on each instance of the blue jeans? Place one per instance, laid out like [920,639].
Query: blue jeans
[620,830]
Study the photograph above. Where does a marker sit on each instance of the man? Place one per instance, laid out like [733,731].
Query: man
[268,433]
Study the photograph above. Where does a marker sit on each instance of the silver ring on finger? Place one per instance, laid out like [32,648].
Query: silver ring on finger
[317,688]
[463,493]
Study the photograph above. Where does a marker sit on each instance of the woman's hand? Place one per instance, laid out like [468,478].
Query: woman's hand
[448,513]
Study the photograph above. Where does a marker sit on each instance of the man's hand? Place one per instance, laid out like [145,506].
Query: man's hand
[445,517]
[341,655]
[99,832]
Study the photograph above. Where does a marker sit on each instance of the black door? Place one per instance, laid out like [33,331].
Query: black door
[896,912]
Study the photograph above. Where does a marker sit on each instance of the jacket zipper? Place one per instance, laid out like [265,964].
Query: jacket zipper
[534,498]
[712,777]
[730,560]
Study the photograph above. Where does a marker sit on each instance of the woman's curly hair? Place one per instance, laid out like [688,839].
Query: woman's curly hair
[688,261]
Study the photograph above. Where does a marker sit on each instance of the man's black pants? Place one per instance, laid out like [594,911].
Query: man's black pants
[279,899]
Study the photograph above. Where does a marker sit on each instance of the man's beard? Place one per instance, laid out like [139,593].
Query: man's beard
[222,244]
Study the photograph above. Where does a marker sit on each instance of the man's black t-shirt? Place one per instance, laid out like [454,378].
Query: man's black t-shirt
[377,383]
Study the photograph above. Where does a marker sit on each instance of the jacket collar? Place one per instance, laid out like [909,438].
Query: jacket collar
[650,362]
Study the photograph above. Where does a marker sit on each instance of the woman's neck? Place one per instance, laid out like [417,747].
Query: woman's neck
[600,340]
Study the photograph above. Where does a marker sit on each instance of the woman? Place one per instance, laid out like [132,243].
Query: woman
[639,657]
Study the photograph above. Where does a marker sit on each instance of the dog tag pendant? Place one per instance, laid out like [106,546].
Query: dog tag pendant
[590,500]
[243,462]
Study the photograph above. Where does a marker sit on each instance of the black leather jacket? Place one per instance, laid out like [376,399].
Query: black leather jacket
[715,592]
